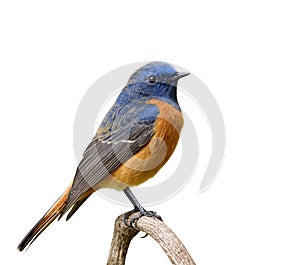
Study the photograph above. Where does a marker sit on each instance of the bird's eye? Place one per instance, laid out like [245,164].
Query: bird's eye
[152,79]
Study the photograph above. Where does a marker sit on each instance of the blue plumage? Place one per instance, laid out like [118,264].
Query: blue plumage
[154,80]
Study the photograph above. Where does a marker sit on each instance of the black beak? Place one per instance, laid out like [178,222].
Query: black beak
[177,76]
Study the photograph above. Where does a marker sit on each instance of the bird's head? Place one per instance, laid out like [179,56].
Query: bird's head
[155,79]
[156,72]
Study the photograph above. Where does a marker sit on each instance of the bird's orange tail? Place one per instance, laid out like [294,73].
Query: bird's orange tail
[45,221]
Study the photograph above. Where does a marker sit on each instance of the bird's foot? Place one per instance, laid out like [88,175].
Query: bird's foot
[142,212]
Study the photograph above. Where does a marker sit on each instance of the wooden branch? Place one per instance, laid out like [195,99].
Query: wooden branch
[155,228]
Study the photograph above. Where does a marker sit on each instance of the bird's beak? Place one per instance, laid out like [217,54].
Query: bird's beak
[177,76]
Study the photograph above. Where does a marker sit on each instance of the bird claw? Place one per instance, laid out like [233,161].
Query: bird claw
[142,212]
[127,215]
[144,236]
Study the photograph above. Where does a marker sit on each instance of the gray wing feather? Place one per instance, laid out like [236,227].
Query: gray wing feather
[106,153]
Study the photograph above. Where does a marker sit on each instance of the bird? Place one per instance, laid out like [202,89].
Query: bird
[133,142]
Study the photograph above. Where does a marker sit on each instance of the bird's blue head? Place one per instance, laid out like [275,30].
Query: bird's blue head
[153,80]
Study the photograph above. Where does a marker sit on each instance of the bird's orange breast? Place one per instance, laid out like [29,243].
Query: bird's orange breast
[147,162]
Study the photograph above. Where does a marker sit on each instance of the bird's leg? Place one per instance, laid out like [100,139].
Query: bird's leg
[137,208]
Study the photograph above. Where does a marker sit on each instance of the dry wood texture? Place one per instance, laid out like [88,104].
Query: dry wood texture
[155,228]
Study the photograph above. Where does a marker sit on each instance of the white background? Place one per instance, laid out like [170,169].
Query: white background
[247,53]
